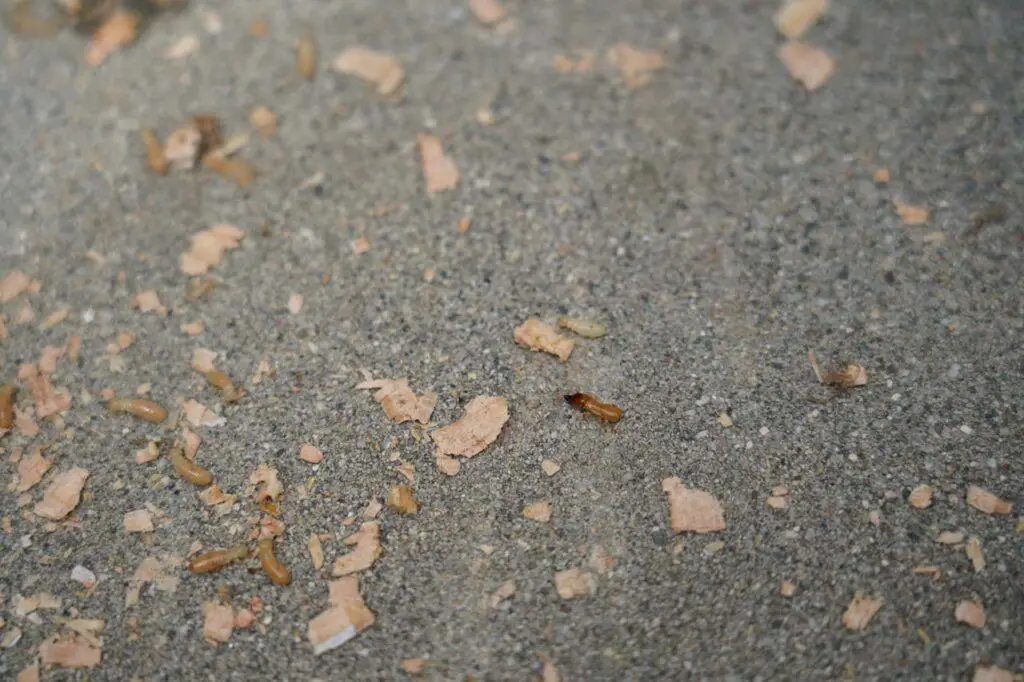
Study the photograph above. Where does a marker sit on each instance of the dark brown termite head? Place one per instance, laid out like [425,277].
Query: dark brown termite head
[606,412]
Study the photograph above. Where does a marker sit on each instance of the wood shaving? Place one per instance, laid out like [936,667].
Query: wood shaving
[238,171]
[31,470]
[347,617]
[138,521]
[487,12]
[316,551]
[550,468]
[635,66]
[505,591]
[202,360]
[934,571]
[14,284]
[377,68]
[796,16]
[974,553]
[47,400]
[853,375]
[264,485]
[921,497]
[198,414]
[449,466]
[574,583]
[860,612]
[367,549]
[308,453]
[777,502]
[910,214]
[48,359]
[549,673]
[692,510]
[218,622]
[787,589]
[373,508]
[264,121]
[69,651]
[221,502]
[949,537]
[724,420]
[541,336]
[439,171]
[881,176]
[478,427]
[970,613]
[29,674]
[992,674]
[581,327]
[538,511]
[193,328]
[55,318]
[118,31]
[807,64]
[399,402]
[185,46]
[295,304]
[62,495]
[413,666]
[400,498]
[359,245]
[986,502]
[207,248]
[149,302]
[305,56]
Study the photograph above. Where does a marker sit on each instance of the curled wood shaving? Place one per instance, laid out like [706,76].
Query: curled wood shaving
[574,583]
[478,427]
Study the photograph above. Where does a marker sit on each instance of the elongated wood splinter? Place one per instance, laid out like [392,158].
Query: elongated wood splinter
[190,471]
[272,566]
[140,408]
[588,403]
[7,406]
[209,562]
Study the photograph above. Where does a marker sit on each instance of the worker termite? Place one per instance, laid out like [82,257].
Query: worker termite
[588,403]
[275,570]
[190,471]
[7,406]
[221,382]
[217,559]
[141,408]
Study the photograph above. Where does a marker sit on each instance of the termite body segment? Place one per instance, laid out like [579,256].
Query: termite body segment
[217,559]
[604,411]
[272,566]
[140,408]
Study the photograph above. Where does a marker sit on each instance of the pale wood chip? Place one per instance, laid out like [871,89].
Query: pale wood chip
[264,121]
[807,64]
[56,317]
[950,537]
[367,549]
[970,613]
[541,336]
[400,498]
[505,591]
[692,510]
[860,612]
[347,617]
[974,553]
[377,68]
[910,214]
[264,484]
[69,651]
[305,56]
[574,583]
[198,414]
[487,12]
[881,176]
[538,511]
[360,245]
[550,467]
[308,453]
[316,551]
[796,16]
[31,470]
[138,521]
[413,666]
[149,302]
[202,360]
[992,674]
[218,622]
[478,427]
[295,304]
[635,66]
[118,31]
[186,45]
[449,466]
[921,497]
[62,495]
[13,285]
[787,589]
[193,328]
[581,327]
[439,171]
[399,402]
[986,502]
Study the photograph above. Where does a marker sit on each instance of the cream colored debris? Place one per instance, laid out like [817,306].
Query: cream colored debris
[478,427]
[399,402]
[541,336]
[692,510]
[796,16]
[860,612]
[635,66]
[921,497]
[378,68]
[970,613]
[347,617]
[538,511]
[367,549]
[986,502]
[439,171]
[574,583]
[138,521]
[218,622]
[62,495]
[808,64]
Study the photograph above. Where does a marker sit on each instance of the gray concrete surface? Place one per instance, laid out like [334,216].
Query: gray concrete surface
[721,222]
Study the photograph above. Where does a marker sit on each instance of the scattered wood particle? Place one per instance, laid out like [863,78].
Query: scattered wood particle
[264,121]
[259,28]
[550,468]
[949,537]
[182,147]
[439,171]
[186,45]
[400,498]
[377,68]
[138,521]
[264,485]
[308,453]
[69,651]
[244,619]
[347,617]
[413,666]
[218,622]
[14,284]
[147,454]
[487,12]
[583,64]
[478,427]
[163,575]
[316,551]
[46,399]
[692,510]
[295,304]
[117,31]
[238,171]
[198,414]
[581,327]
[853,375]
[202,360]
[910,214]
[574,583]
[367,549]
[505,591]
[206,248]
[986,502]
[934,571]
[860,612]
[48,359]
[970,613]
[31,470]
[221,502]
[25,315]
[808,64]
[193,328]
[796,16]
[992,673]
[31,673]
[373,508]
[192,442]
[780,491]
[921,497]
[634,65]
[541,336]
[538,511]
[777,502]
[305,55]
[55,318]
[25,425]
[974,553]
[399,402]
[724,420]
[149,302]
[881,176]
[359,245]
[549,673]
[449,466]
[62,495]
[788,589]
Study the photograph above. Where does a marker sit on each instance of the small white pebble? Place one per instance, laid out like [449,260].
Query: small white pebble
[26,541]
[966,429]
[750,444]
[763,430]
[83,575]
[813,414]
[895,397]
[853,457]
[88,315]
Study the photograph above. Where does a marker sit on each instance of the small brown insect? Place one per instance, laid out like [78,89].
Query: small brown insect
[140,408]
[190,471]
[7,406]
[221,382]
[604,411]
[209,562]
[275,570]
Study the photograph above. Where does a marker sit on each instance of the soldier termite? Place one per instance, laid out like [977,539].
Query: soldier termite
[7,406]
[275,570]
[141,408]
[217,559]
[190,471]
[588,403]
